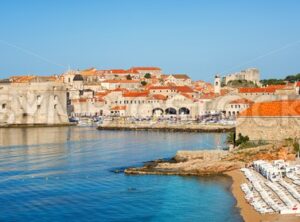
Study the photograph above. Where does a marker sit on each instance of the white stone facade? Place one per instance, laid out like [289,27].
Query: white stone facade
[33,103]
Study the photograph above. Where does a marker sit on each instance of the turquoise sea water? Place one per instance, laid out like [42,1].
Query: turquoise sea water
[66,174]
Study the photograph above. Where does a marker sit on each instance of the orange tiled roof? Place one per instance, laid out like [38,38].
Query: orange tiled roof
[118,71]
[119,90]
[276,86]
[100,94]
[89,72]
[210,95]
[80,100]
[136,94]
[118,108]
[199,88]
[22,79]
[120,81]
[273,108]
[184,89]
[160,87]
[99,99]
[257,90]
[154,80]
[133,71]
[145,68]
[241,101]
[224,92]
[101,72]
[159,97]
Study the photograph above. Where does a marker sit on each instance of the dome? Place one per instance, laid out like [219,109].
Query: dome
[78,77]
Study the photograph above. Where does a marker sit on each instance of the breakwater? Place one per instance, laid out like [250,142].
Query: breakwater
[169,127]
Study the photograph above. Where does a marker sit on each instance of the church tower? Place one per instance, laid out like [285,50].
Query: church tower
[78,81]
[217,84]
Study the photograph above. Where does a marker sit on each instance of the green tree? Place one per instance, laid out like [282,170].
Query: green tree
[144,83]
[147,76]
[128,77]
[241,83]
[292,78]
[266,82]
[242,139]
[230,139]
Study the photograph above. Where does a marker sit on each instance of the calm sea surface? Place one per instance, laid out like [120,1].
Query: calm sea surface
[66,174]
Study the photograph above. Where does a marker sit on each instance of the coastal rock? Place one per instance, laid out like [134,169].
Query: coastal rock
[190,163]
[206,162]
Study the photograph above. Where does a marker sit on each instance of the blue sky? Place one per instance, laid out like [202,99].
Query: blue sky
[200,38]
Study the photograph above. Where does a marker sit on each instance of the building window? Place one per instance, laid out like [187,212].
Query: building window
[55,106]
[3,105]
[55,97]
[38,106]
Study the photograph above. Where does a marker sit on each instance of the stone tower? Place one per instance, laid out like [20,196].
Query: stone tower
[217,84]
[78,81]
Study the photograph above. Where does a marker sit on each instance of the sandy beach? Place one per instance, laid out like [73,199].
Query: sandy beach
[247,211]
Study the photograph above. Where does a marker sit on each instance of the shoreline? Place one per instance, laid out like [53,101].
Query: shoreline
[35,125]
[169,128]
[248,213]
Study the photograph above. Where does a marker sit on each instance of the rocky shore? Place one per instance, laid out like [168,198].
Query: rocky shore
[193,163]
[207,162]
[169,127]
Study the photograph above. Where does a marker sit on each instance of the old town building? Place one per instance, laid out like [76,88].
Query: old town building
[272,120]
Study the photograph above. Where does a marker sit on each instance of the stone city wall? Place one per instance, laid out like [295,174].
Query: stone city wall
[269,128]
[33,103]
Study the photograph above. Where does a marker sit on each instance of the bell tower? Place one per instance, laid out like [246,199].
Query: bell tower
[217,84]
